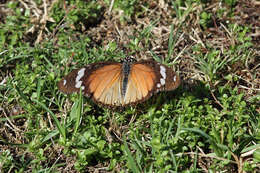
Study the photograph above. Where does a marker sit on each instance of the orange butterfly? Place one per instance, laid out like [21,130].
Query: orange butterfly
[120,84]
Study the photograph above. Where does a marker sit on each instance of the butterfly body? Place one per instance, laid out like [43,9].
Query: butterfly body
[120,84]
[126,68]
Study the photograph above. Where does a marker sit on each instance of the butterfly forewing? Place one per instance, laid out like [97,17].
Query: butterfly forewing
[68,83]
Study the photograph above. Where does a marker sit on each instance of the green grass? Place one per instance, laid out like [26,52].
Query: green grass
[211,122]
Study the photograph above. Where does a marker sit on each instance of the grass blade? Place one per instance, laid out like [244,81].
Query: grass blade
[130,158]
[56,121]
[77,112]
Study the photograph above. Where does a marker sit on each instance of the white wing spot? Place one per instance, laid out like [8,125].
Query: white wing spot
[82,87]
[158,85]
[80,74]
[78,84]
[174,78]
[162,81]
[163,71]
[64,82]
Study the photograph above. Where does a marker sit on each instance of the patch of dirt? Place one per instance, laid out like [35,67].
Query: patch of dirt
[247,13]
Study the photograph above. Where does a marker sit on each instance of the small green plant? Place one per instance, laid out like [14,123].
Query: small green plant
[80,16]
[231,3]
[11,31]
[128,7]
[6,161]
[205,19]
[180,13]
[211,64]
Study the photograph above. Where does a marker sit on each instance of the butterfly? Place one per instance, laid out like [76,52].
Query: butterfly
[118,84]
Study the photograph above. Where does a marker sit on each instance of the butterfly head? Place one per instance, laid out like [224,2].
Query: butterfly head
[128,60]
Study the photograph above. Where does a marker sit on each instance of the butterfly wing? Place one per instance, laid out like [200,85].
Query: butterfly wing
[100,81]
[148,77]
[105,85]
[166,78]
[67,84]
[140,83]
